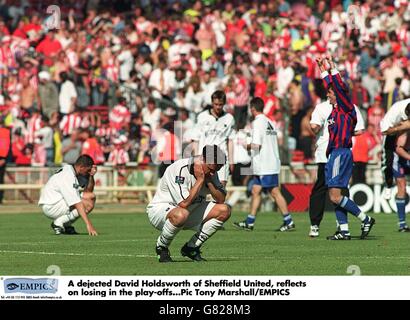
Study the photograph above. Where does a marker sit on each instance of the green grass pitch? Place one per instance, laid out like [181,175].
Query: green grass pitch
[126,245]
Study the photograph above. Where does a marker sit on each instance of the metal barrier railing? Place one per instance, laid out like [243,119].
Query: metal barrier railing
[23,184]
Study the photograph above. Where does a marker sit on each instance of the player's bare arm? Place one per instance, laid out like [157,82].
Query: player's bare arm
[91,181]
[403,126]
[200,179]
[401,146]
[82,212]
[230,154]
[218,192]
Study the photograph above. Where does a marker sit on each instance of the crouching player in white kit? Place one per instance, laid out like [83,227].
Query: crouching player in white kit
[61,200]
[180,202]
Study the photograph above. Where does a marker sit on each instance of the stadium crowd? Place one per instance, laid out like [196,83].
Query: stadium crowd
[114,72]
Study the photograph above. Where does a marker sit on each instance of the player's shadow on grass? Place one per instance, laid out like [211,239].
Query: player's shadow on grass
[207,260]
[367,238]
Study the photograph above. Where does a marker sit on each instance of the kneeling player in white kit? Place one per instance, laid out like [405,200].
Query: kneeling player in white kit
[180,202]
[60,198]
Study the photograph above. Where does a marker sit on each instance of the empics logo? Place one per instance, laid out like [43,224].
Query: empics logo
[26,285]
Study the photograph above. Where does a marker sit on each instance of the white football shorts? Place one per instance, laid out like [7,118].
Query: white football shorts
[157,214]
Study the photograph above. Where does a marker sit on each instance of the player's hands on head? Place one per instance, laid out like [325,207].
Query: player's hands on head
[199,171]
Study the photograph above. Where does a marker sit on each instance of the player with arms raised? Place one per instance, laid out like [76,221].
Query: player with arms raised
[341,124]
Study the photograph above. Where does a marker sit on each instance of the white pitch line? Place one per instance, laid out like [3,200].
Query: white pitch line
[92,254]
[152,256]
[78,254]
[54,242]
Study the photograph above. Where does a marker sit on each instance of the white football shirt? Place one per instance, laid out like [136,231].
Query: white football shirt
[395,115]
[178,181]
[62,185]
[209,130]
[266,160]
[319,117]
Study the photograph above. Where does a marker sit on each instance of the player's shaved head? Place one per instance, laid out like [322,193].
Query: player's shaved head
[84,161]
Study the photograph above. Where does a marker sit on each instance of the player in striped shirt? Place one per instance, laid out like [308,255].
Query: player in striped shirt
[341,124]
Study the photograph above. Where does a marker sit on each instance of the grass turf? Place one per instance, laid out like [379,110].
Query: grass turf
[126,242]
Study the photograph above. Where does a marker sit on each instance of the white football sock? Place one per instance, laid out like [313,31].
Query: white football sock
[67,218]
[206,231]
[168,233]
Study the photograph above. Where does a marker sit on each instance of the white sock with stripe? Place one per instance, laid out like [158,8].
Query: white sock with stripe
[206,231]
[168,233]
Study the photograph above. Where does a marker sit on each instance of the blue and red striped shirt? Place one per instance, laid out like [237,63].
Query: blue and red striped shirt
[343,119]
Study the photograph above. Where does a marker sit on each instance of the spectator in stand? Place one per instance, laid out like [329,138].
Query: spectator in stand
[240,100]
[91,146]
[28,98]
[161,80]
[44,141]
[405,85]
[375,114]
[168,148]
[49,47]
[48,94]
[68,95]
[71,148]
[120,116]
[151,114]
[195,97]
[359,94]
[371,83]
[119,156]
[285,74]
[391,71]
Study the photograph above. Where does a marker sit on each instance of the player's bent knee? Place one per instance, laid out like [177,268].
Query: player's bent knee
[224,212]
[178,216]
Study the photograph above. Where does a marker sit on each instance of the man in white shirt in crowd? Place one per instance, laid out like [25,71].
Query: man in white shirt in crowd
[319,126]
[62,201]
[214,126]
[161,80]
[151,114]
[180,203]
[44,136]
[395,121]
[266,167]
[68,94]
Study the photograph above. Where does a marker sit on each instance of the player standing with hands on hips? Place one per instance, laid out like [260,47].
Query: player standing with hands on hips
[62,200]
[338,171]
